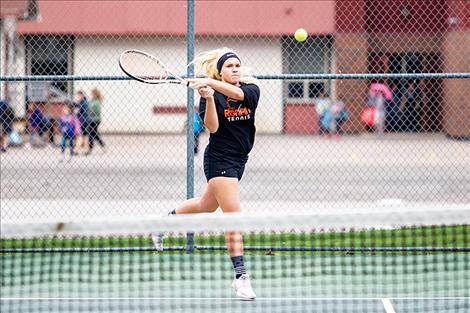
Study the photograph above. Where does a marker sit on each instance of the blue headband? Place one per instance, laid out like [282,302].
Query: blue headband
[224,58]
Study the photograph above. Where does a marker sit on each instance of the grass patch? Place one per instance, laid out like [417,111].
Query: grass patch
[435,236]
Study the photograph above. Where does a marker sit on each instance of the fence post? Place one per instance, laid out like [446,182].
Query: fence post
[190,116]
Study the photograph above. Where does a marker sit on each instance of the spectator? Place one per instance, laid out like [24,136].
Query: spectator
[81,103]
[95,119]
[378,93]
[70,129]
[323,108]
[409,108]
[47,125]
[7,116]
[39,125]
[339,115]
[392,110]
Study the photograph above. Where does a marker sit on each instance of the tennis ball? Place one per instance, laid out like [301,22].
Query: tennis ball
[300,35]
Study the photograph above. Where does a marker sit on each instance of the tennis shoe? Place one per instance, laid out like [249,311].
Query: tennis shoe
[157,239]
[242,287]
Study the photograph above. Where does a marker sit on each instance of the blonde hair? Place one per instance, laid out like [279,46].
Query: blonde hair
[206,63]
[96,94]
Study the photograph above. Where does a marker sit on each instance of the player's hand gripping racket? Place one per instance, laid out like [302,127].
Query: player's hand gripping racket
[148,69]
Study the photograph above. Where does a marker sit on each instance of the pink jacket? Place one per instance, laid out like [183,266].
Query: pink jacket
[68,120]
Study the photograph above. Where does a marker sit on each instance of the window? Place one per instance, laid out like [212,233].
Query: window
[296,90]
[48,55]
[312,56]
[315,89]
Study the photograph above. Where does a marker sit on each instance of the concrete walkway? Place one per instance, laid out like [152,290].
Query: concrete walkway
[143,174]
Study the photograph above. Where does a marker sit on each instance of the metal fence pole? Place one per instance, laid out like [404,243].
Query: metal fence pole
[190,116]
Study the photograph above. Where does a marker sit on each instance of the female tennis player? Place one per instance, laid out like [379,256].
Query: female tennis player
[228,104]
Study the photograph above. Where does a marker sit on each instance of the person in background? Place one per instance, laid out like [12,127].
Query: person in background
[81,103]
[377,100]
[392,108]
[6,121]
[39,125]
[323,108]
[95,120]
[70,129]
[409,108]
[339,116]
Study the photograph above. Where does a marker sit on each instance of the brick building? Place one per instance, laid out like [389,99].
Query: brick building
[86,37]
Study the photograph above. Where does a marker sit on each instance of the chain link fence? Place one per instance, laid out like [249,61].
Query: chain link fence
[397,134]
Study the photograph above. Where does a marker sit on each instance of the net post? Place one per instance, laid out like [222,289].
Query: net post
[190,38]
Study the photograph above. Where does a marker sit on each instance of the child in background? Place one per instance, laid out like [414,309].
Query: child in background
[323,107]
[7,115]
[339,116]
[40,125]
[70,129]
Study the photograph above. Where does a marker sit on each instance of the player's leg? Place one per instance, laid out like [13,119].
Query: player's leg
[205,204]
[226,191]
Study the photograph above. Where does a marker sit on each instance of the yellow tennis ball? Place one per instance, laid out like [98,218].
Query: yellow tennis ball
[300,35]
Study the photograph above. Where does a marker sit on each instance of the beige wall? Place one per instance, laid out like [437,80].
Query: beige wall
[17,67]
[128,104]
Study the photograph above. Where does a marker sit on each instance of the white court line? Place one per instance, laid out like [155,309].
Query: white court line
[384,300]
[388,306]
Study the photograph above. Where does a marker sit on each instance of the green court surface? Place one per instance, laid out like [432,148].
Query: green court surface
[276,305]
[383,269]
[169,282]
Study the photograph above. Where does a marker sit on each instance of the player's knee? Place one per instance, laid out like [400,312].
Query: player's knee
[211,209]
[231,208]
[206,207]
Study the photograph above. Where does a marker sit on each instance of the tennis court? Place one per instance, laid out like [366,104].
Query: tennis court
[355,196]
[325,262]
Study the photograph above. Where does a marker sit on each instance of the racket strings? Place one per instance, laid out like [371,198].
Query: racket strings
[143,67]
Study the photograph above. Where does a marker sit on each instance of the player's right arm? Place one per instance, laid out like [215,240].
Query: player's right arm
[229,90]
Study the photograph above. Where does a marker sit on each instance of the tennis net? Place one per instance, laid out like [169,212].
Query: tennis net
[407,259]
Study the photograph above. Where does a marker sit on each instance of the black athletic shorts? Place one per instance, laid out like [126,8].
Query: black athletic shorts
[223,168]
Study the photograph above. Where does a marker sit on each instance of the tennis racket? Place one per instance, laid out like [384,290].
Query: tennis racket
[147,68]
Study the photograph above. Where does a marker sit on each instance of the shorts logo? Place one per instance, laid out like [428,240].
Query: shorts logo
[222,173]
